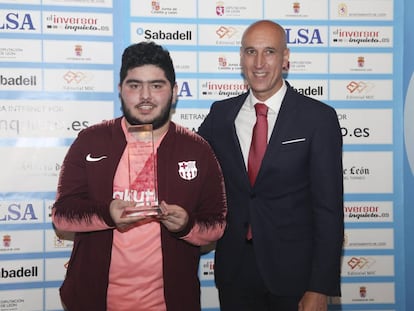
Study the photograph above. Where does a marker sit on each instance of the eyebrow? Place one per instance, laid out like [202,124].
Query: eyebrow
[255,48]
[149,81]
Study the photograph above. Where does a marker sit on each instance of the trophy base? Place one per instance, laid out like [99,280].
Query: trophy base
[152,211]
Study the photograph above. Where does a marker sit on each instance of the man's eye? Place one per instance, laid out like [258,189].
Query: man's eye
[250,52]
[158,87]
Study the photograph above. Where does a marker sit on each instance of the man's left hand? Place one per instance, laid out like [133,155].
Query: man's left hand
[174,217]
[312,301]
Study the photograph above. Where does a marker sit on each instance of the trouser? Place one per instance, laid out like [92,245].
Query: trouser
[249,293]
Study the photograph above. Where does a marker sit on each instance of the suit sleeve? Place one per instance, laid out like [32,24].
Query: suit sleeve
[205,129]
[327,199]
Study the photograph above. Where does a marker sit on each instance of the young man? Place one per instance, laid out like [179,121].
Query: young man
[281,250]
[137,263]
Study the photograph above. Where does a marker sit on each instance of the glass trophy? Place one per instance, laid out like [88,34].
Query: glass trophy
[142,172]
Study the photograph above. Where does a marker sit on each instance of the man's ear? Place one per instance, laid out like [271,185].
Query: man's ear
[175,93]
[286,55]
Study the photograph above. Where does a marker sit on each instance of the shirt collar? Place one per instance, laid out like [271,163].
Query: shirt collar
[274,102]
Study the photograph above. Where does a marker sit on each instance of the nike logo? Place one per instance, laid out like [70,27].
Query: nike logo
[90,158]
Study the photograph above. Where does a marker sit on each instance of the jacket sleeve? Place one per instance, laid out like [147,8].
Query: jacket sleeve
[77,208]
[207,219]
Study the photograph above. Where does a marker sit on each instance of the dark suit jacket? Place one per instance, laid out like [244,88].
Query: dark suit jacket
[296,205]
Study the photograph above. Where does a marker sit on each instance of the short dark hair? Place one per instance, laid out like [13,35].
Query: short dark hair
[147,53]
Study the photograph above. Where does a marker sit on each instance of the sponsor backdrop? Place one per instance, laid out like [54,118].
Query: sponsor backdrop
[59,64]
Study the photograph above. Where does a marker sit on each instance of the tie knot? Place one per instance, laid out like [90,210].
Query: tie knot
[261,109]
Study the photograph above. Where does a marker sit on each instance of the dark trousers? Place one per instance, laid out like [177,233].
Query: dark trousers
[249,293]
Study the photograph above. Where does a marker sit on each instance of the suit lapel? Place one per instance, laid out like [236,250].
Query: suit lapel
[231,121]
[286,116]
[234,144]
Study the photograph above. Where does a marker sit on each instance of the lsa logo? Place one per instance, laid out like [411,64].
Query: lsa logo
[17,212]
[184,90]
[304,36]
[16,21]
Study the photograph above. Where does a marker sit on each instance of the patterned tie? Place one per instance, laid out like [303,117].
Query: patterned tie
[257,148]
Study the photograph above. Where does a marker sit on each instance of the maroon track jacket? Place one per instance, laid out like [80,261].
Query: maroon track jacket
[85,189]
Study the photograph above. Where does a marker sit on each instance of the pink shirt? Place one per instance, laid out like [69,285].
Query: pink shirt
[135,275]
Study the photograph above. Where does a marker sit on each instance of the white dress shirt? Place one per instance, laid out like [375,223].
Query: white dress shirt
[246,118]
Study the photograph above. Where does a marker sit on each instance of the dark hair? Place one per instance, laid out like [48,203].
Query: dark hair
[147,53]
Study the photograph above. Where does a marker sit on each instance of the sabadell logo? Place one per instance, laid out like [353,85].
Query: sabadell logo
[149,34]
[19,273]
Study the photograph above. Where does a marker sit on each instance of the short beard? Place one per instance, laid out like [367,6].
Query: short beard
[156,123]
